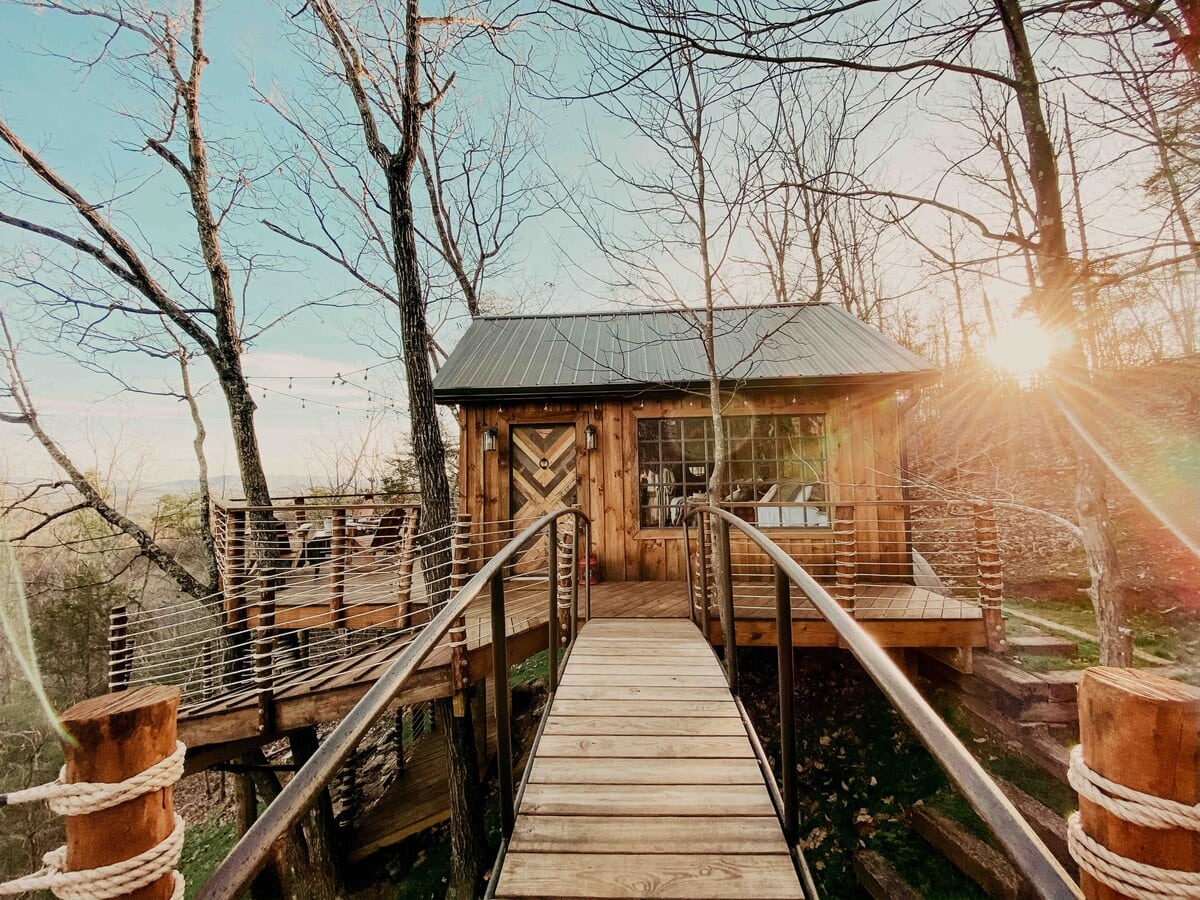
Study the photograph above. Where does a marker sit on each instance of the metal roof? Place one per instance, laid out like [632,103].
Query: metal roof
[622,352]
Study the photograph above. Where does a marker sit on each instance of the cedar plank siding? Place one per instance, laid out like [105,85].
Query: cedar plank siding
[862,442]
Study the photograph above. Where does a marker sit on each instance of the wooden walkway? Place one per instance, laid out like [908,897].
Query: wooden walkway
[644,783]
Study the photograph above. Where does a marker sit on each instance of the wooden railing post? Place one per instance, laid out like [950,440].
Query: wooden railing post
[460,554]
[704,564]
[236,612]
[409,523]
[264,664]
[566,576]
[1141,731]
[553,577]
[991,577]
[845,555]
[337,568]
[120,649]
[730,612]
[787,704]
[504,760]
[116,737]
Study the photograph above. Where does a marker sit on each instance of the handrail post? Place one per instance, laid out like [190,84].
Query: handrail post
[566,582]
[552,577]
[337,568]
[120,651]
[731,667]
[991,577]
[687,562]
[460,548]
[263,653]
[409,522]
[235,593]
[702,564]
[504,761]
[845,555]
[587,587]
[787,704]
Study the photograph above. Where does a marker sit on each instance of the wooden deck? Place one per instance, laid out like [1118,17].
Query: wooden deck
[644,783]
[896,616]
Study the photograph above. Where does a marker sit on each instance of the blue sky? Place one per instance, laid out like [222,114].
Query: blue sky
[74,119]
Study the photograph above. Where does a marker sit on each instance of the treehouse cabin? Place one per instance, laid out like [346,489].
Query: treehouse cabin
[610,411]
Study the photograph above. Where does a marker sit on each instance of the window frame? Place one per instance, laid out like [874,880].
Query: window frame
[777,460]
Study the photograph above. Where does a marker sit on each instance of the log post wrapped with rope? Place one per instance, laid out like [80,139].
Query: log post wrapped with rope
[991,577]
[1137,771]
[115,792]
[845,555]
[460,553]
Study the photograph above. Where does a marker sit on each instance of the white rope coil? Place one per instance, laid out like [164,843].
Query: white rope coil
[115,879]
[1128,876]
[83,797]
[1127,804]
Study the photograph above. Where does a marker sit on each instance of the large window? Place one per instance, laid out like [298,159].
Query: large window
[778,459]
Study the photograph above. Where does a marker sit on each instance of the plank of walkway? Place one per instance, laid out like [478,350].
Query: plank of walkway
[635,746]
[643,800]
[702,875]
[642,679]
[655,834]
[650,725]
[632,706]
[640,692]
[619,770]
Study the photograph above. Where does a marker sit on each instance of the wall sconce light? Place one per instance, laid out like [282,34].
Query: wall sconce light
[589,438]
[489,440]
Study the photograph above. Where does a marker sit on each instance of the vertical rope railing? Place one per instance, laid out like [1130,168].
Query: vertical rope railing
[991,576]
[120,648]
[845,556]
[460,554]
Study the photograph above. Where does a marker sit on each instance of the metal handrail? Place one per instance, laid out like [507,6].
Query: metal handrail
[233,876]
[1048,878]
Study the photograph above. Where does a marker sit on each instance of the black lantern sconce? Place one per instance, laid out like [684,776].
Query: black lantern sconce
[589,438]
[489,440]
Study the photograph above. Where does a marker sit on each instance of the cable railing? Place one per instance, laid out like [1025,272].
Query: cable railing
[276,623]
[565,605]
[885,559]
[713,531]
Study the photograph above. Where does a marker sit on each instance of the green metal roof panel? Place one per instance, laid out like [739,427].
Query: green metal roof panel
[606,352]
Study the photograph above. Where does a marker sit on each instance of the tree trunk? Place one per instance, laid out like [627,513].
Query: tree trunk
[313,864]
[467,839]
[1069,370]
[429,455]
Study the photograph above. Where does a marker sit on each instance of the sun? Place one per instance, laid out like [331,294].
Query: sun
[1022,348]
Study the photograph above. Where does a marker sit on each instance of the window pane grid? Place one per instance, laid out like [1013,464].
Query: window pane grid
[779,458]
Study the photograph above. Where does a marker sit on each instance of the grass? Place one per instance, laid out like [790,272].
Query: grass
[1172,638]
[205,844]
[858,768]
[430,873]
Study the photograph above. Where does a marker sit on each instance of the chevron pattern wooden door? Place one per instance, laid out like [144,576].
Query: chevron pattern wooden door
[543,480]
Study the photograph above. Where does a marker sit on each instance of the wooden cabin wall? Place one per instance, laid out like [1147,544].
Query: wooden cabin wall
[863,454]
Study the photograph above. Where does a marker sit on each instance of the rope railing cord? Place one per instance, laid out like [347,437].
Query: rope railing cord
[1126,803]
[1128,876]
[85,797]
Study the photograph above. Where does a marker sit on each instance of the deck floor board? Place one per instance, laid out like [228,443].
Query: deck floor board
[641,788]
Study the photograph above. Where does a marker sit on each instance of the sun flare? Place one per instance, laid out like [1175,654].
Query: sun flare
[1022,349]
